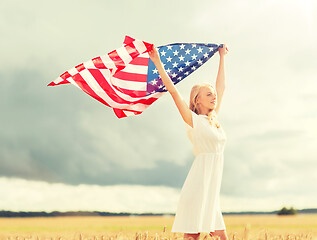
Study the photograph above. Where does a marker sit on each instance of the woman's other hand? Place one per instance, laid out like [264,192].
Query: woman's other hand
[154,55]
[223,50]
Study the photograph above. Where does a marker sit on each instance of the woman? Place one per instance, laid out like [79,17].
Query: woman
[199,207]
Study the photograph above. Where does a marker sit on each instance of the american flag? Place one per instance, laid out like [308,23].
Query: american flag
[127,80]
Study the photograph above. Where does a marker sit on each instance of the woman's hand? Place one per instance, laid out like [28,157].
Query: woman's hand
[223,50]
[154,55]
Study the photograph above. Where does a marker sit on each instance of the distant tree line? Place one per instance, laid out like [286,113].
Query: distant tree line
[69,213]
[287,211]
[283,211]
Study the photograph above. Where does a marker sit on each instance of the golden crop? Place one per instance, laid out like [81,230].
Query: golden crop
[257,227]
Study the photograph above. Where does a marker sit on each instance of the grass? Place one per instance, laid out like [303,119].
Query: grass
[259,227]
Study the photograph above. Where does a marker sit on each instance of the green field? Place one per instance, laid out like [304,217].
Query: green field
[301,226]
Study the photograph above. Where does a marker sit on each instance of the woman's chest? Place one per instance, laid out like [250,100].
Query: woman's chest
[211,132]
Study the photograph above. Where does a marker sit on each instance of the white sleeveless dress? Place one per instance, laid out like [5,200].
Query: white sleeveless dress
[198,208]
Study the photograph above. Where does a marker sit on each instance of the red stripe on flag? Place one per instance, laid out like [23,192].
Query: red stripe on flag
[148,46]
[132,51]
[85,87]
[99,63]
[80,67]
[120,114]
[65,75]
[54,84]
[140,61]
[128,40]
[132,93]
[114,56]
[133,77]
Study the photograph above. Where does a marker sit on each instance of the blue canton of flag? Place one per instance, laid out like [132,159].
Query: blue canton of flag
[179,61]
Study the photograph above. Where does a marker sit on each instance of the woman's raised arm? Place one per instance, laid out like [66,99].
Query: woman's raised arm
[220,81]
[178,99]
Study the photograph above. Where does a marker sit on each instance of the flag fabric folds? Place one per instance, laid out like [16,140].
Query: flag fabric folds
[126,79]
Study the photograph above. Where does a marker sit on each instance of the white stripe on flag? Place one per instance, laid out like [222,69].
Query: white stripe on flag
[107,61]
[58,80]
[72,71]
[72,82]
[89,64]
[138,86]
[128,113]
[135,69]
[139,45]
[157,94]
[124,55]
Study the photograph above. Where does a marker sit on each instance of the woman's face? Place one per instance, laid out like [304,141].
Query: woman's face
[207,98]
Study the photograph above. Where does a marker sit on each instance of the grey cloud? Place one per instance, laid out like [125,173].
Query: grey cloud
[43,137]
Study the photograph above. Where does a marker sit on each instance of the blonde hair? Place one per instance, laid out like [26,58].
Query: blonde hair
[194,94]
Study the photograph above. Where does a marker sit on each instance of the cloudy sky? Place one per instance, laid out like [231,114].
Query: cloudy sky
[62,150]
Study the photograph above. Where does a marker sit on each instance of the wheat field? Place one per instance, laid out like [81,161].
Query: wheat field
[301,226]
